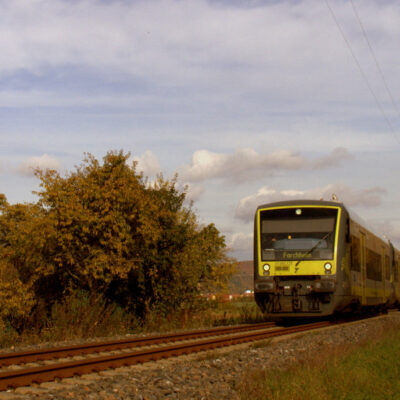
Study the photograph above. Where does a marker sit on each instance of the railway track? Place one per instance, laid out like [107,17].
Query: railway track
[129,352]
[24,357]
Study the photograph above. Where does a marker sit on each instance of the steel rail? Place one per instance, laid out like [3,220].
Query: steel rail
[24,377]
[88,348]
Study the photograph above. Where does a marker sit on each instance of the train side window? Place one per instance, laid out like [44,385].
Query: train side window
[387,268]
[348,239]
[355,254]
[374,265]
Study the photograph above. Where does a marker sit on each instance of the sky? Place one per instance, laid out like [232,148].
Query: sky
[248,101]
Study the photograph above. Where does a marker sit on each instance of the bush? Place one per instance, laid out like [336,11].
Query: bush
[82,315]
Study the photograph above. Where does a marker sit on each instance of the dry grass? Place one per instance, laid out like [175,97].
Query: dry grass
[357,372]
[261,343]
[207,314]
[79,316]
[83,316]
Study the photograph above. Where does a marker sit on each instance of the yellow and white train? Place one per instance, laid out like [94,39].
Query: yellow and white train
[315,258]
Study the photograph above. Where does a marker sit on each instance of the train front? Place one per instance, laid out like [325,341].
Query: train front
[295,258]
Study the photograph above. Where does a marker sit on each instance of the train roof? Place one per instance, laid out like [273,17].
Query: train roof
[302,203]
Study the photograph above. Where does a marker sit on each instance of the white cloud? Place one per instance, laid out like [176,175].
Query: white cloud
[268,48]
[147,163]
[264,64]
[387,229]
[246,164]
[241,242]
[43,162]
[332,160]
[370,197]
[194,192]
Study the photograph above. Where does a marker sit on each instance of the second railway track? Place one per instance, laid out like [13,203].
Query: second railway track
[191,342]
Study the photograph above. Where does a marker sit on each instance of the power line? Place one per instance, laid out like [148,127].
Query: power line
[362,72]
[375,59]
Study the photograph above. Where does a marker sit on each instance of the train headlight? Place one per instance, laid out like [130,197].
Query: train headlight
[328,268]
[266,267]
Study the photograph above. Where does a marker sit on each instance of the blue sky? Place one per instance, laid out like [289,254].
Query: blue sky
[249,102]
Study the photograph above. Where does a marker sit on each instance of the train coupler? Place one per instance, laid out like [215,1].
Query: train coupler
[297,304]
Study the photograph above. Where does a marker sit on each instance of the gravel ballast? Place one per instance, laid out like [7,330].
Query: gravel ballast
[207,375]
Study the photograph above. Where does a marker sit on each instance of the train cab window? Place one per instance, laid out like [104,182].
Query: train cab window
[293,233]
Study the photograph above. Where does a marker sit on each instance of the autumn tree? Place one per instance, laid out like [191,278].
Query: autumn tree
[105,229]
[16,261]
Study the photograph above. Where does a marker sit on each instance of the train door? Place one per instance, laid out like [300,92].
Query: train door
[396,276]
[383,276]
[363,268]
[393,273]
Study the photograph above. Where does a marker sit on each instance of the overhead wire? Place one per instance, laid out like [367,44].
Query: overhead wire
[378,67]
[364,76]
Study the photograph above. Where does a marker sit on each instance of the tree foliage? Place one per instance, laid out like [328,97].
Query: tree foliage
[104,228]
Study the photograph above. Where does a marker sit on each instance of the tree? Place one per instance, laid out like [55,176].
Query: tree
[16,295]
[104,228]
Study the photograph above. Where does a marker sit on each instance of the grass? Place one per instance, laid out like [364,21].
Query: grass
[208,355]
[261,343]
[369,371]
[208,314]
[237,311]
[81,316]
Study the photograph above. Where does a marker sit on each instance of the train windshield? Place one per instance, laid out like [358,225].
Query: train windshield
[298,233]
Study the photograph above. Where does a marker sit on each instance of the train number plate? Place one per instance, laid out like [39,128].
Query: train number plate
[282,268]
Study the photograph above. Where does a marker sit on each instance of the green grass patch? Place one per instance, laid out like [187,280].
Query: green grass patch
[369,371]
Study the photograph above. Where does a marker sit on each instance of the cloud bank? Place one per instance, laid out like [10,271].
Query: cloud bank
[247,164]
[147,163]
[262,47]
[241,243]
[43,162]
[194,192]
[387,229]
[370,197]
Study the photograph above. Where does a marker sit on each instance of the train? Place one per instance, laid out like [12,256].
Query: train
[316,258]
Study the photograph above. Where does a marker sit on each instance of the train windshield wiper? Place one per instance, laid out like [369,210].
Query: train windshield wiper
[312,249]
